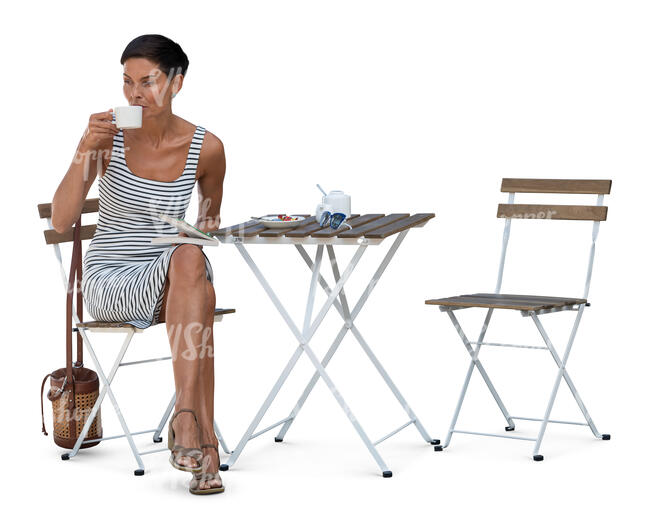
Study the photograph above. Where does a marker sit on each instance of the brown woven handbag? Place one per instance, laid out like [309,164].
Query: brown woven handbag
[73,388]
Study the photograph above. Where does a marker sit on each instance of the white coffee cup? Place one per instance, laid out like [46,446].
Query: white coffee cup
[127,117]
[322,208]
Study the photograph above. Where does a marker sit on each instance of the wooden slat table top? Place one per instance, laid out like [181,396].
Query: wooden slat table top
[376,226]
[314,228]
[277,232]
[507,301]
[354,221]
[400,225]
[304,230]
[234,230]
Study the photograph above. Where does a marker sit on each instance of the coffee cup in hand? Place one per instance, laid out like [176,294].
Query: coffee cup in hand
[128,117]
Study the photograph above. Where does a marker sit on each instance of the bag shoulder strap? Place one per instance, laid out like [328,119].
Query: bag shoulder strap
[72,288]
[42,415]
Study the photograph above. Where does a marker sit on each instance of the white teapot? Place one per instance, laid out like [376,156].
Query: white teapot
[335,202]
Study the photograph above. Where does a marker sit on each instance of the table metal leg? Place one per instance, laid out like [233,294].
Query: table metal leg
[304,338]
[348,318]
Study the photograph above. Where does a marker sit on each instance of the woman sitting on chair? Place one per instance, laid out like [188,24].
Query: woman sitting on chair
[143,172]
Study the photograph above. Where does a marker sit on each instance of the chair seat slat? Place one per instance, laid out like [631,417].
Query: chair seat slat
[507,301]
[120,324]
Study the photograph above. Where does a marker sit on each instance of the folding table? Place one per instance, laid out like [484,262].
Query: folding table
[531,306]
[365,230]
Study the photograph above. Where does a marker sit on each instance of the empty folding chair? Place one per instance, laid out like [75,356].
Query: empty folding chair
[531,306]
[83,327]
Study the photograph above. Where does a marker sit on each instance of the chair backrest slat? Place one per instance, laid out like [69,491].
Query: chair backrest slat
[90,206]
[54,237]
[562,186]
[596,214]
[552,212]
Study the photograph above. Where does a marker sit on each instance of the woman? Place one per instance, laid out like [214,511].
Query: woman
[125,277]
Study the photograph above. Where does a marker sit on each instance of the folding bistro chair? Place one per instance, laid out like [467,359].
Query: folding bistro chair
[87,232]
[531,306]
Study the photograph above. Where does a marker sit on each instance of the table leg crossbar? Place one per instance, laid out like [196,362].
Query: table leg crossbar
[308,331]
[473,349]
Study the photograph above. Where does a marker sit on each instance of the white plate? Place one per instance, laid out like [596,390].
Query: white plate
[272,221]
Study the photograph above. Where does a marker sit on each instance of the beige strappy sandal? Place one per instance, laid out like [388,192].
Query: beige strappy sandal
[177,449]
[205,477]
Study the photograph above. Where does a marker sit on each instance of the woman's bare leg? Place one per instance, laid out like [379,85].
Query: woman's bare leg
[185,306]
[210,455]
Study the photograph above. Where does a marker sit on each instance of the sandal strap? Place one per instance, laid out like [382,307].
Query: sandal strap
[198,426]
[194,453]
[184,410]
[204,477]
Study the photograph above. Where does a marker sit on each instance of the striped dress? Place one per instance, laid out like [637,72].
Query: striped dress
[124,274]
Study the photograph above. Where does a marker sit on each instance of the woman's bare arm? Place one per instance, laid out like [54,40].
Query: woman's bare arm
[213,171]
[91,156]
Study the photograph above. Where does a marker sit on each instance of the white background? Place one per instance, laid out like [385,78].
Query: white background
[409,107]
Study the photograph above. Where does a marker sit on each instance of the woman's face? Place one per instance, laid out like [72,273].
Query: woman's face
[147,86]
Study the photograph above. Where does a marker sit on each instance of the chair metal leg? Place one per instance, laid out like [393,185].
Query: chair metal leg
[222,441]
[562,373]
[163,420]
[107,390]
[468,377]
[475,362]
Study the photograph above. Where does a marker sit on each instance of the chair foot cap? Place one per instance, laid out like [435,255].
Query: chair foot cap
[278,439]
[538,458]
[223,467]
[438,448]
[157,439]
[65,456]
[510,428]
[435,441]
[386,474]
[138,472]
[606,437]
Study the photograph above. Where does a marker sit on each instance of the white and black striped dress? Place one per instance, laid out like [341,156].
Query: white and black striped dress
[124,274]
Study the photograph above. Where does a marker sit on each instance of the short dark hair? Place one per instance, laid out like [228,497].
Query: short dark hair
[167,54]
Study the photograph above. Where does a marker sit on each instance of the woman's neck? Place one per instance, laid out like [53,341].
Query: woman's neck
[156,129]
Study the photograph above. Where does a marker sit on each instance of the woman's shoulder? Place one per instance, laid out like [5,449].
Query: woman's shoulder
[210,140]
[213,146]
[212,153]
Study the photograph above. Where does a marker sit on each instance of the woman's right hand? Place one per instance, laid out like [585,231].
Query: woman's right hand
[100,131]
